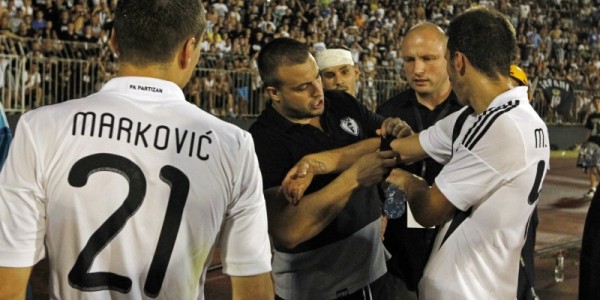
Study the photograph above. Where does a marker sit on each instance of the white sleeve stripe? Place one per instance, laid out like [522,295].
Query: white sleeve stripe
[483,124]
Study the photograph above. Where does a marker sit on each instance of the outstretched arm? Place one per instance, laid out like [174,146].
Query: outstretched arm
[13,282]
[409,149]
[258,287]
[428,205]
[337,160]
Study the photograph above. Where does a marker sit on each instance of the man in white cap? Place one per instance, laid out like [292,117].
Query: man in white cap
[337,69]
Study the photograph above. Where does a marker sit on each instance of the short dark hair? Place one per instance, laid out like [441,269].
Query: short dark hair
[150,31]
[486,37]
[280,52]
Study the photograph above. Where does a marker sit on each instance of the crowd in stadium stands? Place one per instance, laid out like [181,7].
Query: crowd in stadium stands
[556,39]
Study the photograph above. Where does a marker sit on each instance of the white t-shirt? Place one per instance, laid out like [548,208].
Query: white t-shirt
[500,159]
[135,181]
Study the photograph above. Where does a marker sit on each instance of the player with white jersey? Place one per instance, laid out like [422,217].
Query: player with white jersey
[496,155]
[487,173]
[129,191]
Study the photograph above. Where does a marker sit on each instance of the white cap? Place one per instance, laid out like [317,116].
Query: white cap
[333,57]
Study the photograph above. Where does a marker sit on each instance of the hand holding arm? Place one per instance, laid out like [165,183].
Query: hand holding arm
[300,175]
[291,224]
[429,206]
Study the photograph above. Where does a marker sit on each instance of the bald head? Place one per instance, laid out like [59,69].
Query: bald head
[423,50]
[427,29]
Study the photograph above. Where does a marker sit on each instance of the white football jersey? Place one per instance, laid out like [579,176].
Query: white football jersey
[130,190]
[495,168]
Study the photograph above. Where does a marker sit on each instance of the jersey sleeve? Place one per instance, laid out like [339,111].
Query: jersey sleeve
[480,168]
[245,247]
[437,139]
[22,203]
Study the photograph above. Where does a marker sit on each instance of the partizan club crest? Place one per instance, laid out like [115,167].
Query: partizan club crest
[349,125]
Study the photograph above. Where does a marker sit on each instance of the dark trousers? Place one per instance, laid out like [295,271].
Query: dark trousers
[376,290]
[527,273]
[589,267]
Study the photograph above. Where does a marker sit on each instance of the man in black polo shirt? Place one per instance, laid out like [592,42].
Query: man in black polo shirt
[429,99]
[327,246]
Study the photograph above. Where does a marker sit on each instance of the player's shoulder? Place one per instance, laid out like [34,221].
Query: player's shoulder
[508,126]
[56,111]
[230,130]
[525,116]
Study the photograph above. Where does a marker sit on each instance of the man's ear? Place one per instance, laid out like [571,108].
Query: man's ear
[273,94]
[187,52]
[460,63]
[112,43]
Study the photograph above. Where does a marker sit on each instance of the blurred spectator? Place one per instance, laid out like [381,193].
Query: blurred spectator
[32,82]
[69,34]
[95,24]
[5,91]
[24,30]
[15,19]
[221,8]
[39,23]
[554,39]
[49,32]
[241,84]
[208,91]
[223,95]
[193,91]
[88,35]
[27,8]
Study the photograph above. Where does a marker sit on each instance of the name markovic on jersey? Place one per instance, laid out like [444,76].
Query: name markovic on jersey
[160,137]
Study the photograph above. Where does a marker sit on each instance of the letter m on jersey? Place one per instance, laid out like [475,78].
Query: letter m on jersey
[540,138]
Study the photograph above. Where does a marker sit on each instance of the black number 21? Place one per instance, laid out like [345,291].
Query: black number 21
[79,276]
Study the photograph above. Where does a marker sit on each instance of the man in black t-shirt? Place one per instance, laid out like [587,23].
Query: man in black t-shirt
[429,99]
[327,246]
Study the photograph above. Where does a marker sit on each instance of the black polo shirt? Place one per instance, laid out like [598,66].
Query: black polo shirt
[410,247]
[280,144]
[419,117]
